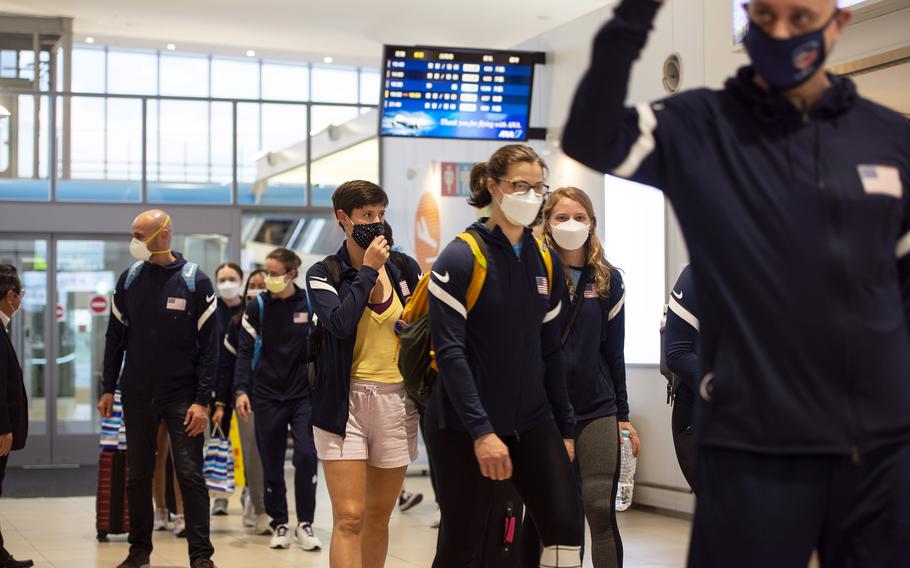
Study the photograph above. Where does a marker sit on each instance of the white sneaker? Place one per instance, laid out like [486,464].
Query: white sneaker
[180,527]
[280,537]
[263,525]
[161,520]
[306,538]
[436,520]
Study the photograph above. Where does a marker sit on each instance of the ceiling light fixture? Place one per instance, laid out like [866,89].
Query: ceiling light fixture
[171,47]
[90,39]
[328,59]
[250,53]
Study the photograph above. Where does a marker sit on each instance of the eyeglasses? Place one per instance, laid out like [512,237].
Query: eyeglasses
[520,188]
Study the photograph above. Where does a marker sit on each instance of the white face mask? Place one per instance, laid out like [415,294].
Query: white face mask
[253,292]
[521,210]
[229,289]
[571,234]
[139,250]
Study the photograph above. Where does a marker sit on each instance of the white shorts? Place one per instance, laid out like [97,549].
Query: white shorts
[381,429]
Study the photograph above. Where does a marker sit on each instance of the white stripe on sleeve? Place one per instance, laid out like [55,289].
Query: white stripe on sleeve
[645,144]
[117,313]
[903,246]
[213,305]
[617,308]
[245,323]
[229,347]
[682,312]
[552,314]
[317,285]
[437,291]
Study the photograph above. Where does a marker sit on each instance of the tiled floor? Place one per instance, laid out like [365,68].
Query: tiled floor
[60,533]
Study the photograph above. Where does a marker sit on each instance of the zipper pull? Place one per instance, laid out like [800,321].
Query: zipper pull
[517,437]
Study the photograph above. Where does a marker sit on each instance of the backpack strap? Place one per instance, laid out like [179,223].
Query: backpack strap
[333,270]
[479,275]
[189,276]
[547,256]
[133,273]
[257,344]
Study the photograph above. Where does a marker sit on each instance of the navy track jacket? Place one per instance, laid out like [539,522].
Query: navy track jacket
[167,334]
[227,364]
[340,311]
[501,365]
[594,351]
[681,333]
[281,373]
[798,227]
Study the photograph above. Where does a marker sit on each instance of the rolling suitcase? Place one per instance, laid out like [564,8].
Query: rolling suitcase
[112,511]
[500,545]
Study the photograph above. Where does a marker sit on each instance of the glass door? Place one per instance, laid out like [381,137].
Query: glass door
[28,331]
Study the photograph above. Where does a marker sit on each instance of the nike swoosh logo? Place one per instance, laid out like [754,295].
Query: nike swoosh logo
[442,278]
[318,278]
[208,299]
[677,295]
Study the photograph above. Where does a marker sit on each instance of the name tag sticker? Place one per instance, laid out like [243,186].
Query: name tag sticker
[176,304]
[301,317]
[881,180]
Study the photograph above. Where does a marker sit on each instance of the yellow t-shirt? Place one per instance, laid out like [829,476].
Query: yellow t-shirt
[376,347]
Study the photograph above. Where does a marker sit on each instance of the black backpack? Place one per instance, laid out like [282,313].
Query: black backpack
[672,378]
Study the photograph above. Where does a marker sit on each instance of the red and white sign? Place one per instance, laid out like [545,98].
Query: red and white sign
[98,305]
[61,314]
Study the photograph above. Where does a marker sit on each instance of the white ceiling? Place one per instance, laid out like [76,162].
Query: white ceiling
[889,86]
[351,30]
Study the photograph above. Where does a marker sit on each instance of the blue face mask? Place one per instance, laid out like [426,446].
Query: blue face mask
[786,63]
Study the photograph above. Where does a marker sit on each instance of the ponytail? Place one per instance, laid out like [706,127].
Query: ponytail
[480,195]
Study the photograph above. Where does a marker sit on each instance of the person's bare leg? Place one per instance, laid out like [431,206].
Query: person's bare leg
[158,482]
[382,489]
[347,485]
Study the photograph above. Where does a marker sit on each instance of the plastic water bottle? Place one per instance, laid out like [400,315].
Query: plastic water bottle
[626,473]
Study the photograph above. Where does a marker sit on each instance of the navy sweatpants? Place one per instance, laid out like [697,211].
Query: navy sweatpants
[758,510]
[273,418]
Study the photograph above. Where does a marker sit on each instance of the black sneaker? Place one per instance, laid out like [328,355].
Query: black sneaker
[135,560]
[11,562]
[203,563]
[408,500]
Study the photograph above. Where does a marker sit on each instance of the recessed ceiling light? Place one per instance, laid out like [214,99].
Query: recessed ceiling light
[171,47]
[250,53]
[328,60]
[89,40]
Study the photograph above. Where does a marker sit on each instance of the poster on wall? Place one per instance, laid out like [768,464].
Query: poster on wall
[427,237]
[456,179]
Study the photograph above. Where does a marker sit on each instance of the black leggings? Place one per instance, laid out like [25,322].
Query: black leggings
[542,474]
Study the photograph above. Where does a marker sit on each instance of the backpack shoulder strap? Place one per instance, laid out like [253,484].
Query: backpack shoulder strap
[133,273]
[547,256]
[479,274]
[261,303]
[189,276]
[400,263]
[333,269]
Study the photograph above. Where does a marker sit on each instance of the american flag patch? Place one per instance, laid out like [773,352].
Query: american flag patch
[405,289]
[543,286]
[301,317]
[590,292]
[178,304]
[881,180]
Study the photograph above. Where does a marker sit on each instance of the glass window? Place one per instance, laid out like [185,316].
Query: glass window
[27,65]
[312,237]
[132,72]
[282,125]
[184,75]
[249,141]
[9,67]
[634,241]
[88,70]
[335,84]
[87,138]
[222,155]
[285,82]
[325,116]
[235,79]
[369,86]
[357,162]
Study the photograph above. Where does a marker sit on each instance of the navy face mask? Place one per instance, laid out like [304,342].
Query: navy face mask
[786,63]
[364,234]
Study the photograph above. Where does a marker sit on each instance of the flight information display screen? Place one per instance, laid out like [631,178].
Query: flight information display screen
[432,92]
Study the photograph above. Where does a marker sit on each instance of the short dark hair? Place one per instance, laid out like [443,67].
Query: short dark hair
[286,257]
[9,280]
[358,193]
[233,266]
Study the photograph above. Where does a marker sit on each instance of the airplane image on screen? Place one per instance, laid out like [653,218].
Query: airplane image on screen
[408,124]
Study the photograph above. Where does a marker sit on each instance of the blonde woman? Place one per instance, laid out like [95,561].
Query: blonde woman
[593,331]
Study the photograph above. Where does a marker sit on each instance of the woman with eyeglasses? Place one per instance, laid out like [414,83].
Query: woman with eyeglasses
[501,393]
[253,498]
[593,336]
[271,377]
